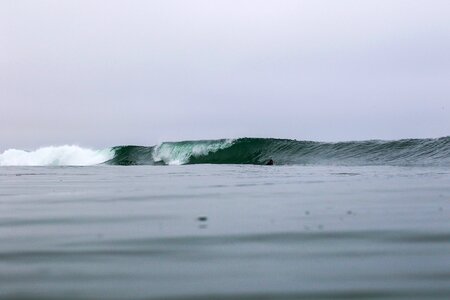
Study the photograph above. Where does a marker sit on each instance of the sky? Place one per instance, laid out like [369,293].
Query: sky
[105,73]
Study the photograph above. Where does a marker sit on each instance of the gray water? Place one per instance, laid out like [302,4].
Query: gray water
[224,232]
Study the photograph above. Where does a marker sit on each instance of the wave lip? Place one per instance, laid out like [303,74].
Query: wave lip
[67,155]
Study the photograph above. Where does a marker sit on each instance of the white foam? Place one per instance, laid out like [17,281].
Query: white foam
[68,155]
[179,154]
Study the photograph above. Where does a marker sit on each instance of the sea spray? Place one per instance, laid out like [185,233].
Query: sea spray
[179,153]
[68,155]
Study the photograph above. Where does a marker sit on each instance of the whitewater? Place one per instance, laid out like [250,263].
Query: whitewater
[258,151]
[67,155]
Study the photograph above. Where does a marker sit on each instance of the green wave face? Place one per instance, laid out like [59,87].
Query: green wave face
[259,151]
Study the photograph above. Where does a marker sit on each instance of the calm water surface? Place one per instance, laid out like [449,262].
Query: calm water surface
[224,232]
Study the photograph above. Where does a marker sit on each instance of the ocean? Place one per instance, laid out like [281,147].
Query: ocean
[209,220]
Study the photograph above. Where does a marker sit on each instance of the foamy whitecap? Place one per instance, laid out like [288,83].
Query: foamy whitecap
[67,155]
[179,153]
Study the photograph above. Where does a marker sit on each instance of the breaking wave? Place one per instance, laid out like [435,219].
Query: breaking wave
[55,156]
[285,152]
[407,152]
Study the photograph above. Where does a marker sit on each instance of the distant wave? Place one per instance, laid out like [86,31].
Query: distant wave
[258,151]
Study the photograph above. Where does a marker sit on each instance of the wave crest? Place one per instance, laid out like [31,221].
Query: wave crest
[179,153]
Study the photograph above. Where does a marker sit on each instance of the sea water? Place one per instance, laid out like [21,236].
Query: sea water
[225,232]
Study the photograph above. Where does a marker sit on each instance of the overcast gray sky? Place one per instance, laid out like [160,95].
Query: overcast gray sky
[104,73]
